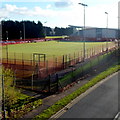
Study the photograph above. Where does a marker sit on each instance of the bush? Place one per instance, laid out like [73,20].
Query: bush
[16,103]
[25,108]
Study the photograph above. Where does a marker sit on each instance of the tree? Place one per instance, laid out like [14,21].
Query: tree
[57,31]
[48,31]
[10,93]
[15,30]
[63,31]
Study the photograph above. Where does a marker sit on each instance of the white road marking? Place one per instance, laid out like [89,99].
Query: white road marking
[117,117]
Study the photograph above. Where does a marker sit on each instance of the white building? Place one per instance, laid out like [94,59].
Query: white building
[99,33]
[93,34]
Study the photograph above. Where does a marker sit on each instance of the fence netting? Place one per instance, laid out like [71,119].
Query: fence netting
[41,74]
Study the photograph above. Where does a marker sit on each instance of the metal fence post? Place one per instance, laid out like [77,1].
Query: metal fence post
[53,63]
[56,63]
[90,52]
[3,99]
[32,81]
[44,60]
[78,56]
[14,58]
[82,56]
[72,73]
[94,51]
[23,63]
[69,60]
[91,65]
[47,67]
[49,88]
[87,53]
[57,80]
[74,58]
[63,61]
[7,52]
[31,60]
[82,70]
[15,78]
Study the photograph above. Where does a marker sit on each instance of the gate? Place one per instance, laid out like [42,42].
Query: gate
[38,62]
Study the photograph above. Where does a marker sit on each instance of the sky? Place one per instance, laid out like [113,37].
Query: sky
[61,13]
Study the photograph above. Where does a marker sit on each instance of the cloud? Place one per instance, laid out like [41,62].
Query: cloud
[42,12]
[10,9]
[28,1]
[95,15]
[66,3]
[48,6]
[63,4]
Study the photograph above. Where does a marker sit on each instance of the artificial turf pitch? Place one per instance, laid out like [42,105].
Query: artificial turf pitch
[50,48]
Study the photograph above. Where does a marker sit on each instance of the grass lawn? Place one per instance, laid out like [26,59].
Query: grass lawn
[50,48]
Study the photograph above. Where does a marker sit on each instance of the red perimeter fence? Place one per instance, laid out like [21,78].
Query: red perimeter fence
[22,41]
[42,68]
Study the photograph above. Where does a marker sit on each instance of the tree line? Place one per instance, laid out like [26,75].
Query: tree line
[29,29]
[19,30]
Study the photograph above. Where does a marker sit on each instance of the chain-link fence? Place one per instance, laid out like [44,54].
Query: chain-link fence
[57,81]
[24,65]
[42,74]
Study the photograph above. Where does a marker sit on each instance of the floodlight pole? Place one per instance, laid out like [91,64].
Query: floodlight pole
[118,37]
[7,46]
[107,31]
[20,34]
[45,29]
[3,98]
[84,5]
[24,29]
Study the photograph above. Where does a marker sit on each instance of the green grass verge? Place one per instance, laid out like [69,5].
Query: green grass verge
[84,68]
[22,101]
[64,101]
[22,105]
[24,108]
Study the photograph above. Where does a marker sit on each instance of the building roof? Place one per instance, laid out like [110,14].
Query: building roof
[88,27]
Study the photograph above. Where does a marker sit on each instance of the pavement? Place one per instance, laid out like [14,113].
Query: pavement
[100,102]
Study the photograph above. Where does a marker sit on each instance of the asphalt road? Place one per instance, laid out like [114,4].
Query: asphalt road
[102,102]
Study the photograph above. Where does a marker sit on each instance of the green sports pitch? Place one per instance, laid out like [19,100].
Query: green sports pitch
[50,48]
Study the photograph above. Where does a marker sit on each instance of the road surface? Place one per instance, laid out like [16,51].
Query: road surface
[102,102]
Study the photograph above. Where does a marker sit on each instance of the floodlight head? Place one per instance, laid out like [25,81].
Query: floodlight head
[83,4]
[106,12]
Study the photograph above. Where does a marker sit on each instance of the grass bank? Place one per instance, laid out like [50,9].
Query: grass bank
[85,68]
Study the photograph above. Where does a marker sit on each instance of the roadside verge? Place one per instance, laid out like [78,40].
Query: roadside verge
[46,114]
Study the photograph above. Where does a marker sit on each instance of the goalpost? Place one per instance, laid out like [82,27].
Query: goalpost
[36,61]
[37,57]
